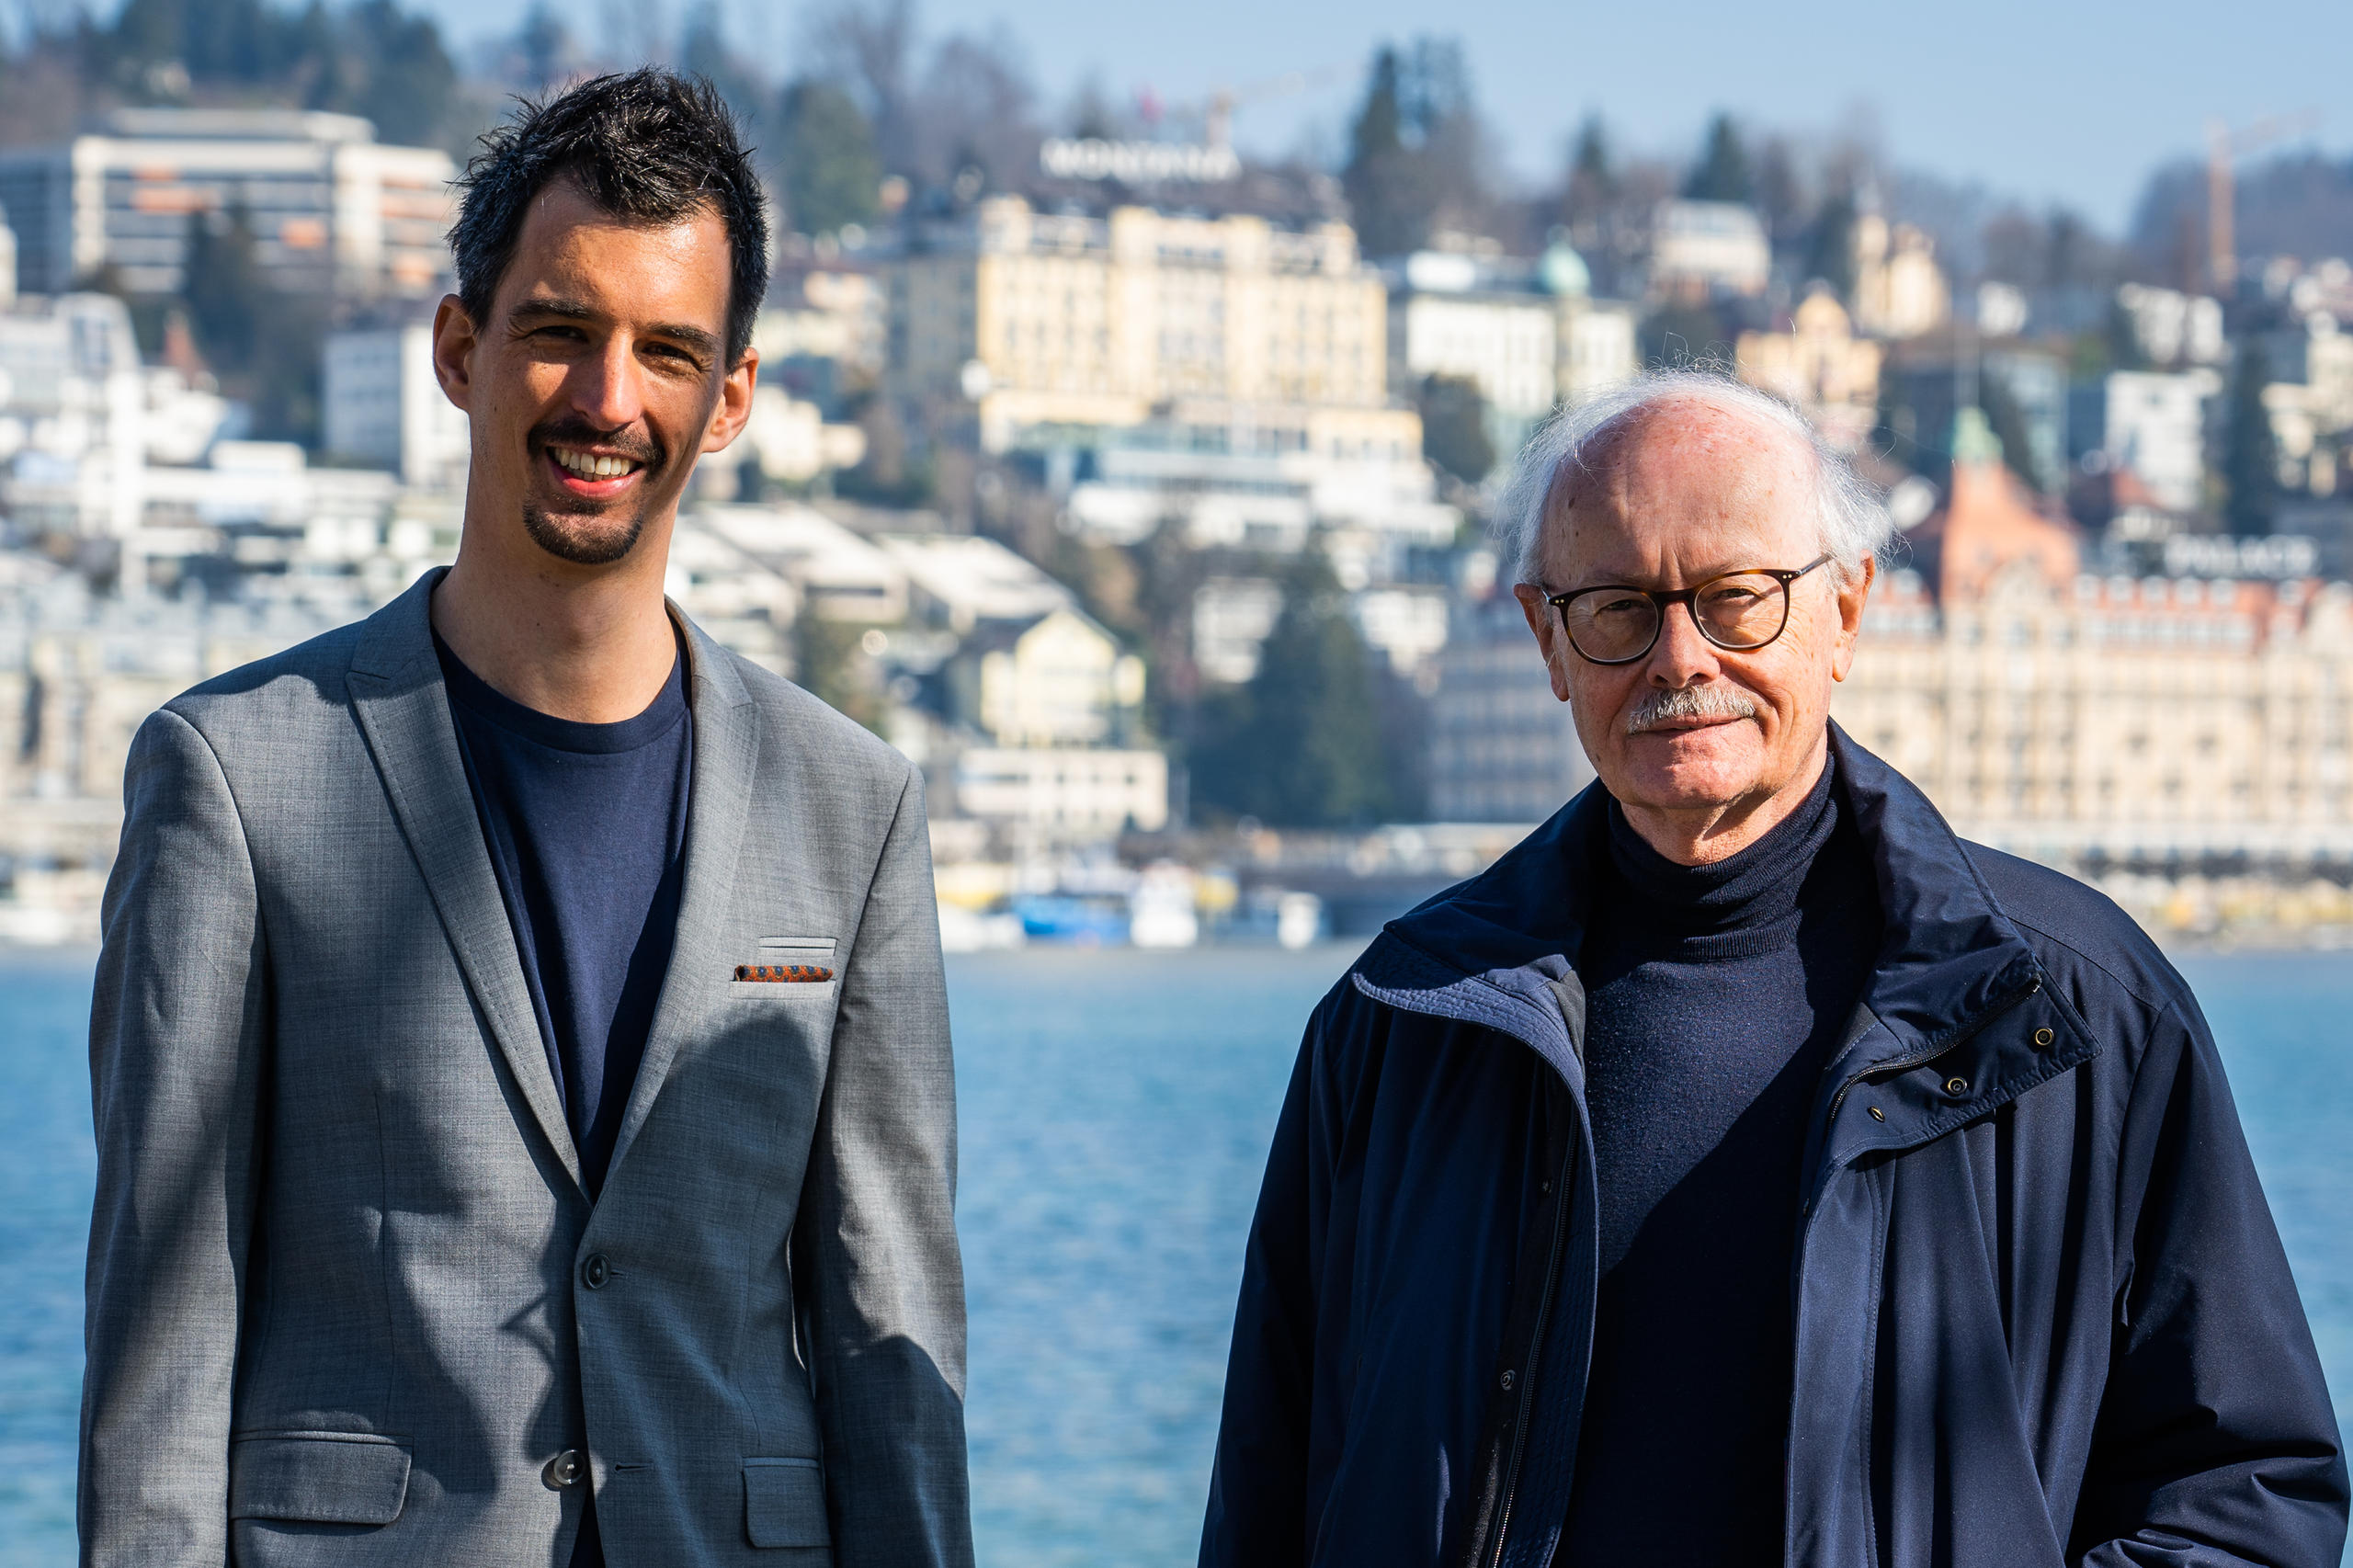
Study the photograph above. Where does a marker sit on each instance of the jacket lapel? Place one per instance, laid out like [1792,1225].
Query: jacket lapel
[403,710]
[726,746]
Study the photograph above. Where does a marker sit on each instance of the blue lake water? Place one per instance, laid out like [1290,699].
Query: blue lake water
[1116,1108]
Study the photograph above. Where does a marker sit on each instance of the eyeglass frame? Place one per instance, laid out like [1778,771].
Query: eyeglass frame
[1661,598]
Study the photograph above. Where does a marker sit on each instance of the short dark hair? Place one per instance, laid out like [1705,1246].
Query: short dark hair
[648,146]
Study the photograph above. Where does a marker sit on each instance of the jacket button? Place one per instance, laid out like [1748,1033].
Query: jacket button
[564,1470]
[2043,1036]
[596,1271]
[1878,1115]
[1507,1380]
[1956,1085]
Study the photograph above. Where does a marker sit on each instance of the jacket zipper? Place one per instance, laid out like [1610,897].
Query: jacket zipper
[1535,1353]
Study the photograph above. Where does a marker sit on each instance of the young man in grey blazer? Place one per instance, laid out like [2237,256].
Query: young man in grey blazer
[526,1127]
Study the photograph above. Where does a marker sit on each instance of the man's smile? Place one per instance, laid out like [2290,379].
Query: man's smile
[592,474]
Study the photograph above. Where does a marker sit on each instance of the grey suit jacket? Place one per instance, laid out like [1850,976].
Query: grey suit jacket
[347,1299]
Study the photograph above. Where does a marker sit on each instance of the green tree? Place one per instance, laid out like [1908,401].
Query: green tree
[1415,159]
[1454,426]
[228,299]
[2250,450]
[1722,173]
[408,84]
[1592,184]
[1378,179]
[1300,745]
[831,169]
[1831,257]
[2007,421]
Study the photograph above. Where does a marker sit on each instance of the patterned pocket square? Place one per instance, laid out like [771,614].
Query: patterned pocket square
[784,973]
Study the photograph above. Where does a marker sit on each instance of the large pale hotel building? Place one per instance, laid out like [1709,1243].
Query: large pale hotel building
[2082,717]
[1260,339]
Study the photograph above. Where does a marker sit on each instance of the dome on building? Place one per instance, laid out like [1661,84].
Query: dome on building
[1563,271]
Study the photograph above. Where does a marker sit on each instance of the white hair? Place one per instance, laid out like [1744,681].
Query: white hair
[1853,522]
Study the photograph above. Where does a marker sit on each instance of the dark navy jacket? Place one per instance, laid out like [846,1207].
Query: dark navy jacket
[2042,1316]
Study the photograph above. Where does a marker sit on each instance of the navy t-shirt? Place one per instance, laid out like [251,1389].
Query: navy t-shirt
[1716,997]
[587,826]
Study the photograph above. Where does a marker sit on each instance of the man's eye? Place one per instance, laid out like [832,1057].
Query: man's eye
[1625,606]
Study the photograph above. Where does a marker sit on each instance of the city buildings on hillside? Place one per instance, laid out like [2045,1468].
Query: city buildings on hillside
[2171,328]
[1702,250]
[1528,332]
[1932,377]
[379,403]
[329,208]
[2151,424]
[1057,680]
[1502,747]
[1820,367]
[1899,289]
[2075,717]
[1254,339]
[2310,401]
[825,325]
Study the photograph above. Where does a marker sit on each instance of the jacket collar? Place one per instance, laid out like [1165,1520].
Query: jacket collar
[1502,947]
[402,707]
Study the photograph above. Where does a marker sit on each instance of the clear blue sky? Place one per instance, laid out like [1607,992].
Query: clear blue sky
[2045,98]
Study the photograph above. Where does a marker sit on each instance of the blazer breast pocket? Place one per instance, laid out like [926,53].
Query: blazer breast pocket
[792,970]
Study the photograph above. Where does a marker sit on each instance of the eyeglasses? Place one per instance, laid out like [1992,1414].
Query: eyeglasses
[1616,623]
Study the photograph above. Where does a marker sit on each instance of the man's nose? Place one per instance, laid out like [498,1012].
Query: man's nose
[608,389]
[1681,655]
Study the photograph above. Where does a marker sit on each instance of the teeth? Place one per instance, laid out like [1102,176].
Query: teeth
[589,465]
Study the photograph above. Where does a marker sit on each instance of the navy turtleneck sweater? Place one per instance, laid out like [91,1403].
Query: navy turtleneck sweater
[1716,996]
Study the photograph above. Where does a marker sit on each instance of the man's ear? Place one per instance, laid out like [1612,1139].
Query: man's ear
[1546,625]
[1853,595]
[453,349]
[734,410]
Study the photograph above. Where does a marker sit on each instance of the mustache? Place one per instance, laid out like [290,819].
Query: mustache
[1687,702]
[631,441]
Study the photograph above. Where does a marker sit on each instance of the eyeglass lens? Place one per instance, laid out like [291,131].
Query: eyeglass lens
[1745,610]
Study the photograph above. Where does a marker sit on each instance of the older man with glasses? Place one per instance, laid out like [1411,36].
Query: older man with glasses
[1745,1169]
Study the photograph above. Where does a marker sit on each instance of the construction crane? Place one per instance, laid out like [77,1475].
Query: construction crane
[2225,147]
[1217,110]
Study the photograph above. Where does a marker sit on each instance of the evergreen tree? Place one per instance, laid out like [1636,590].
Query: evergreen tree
[2007,421]
[831,171]
[1415,161]
[1379,174]
[1722,173]
[2250,450]
[1592,183]
[228,299]
[1454,426]
[409,85]
[704,50]
[1300,745]
[1831,256]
